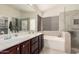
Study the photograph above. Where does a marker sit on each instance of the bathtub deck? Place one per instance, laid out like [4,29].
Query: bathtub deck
[54,42]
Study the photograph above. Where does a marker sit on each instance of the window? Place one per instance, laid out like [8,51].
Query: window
[32,24]
[76,21]
[24,25]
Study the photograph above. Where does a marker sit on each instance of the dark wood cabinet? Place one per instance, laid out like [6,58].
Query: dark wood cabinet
[34,40]
[25,47]
[41,43]
[31,46]
[37,44]
[34,45]
[11,50]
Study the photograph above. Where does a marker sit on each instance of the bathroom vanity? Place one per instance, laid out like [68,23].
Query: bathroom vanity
[29,44]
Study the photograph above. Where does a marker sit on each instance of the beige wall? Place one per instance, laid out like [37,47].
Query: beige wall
[66,21]
[55,11]
[6,10]
[28,14]
[9,11]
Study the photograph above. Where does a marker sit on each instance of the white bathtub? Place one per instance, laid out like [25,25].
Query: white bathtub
[58,40]
[54,42]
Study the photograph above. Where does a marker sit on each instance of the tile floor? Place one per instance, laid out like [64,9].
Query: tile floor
[51,51]
[75,50]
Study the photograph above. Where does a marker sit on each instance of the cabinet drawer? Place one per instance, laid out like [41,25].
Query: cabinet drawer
[34,40]
[26,43]
[25,47]
[41,43]
[12,50]
[34,47]
[36,51]
[41,36]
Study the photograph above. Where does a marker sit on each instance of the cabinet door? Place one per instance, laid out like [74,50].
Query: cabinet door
[25,47]
[34,45]
[34,40]
[12,50]
[34,48]
[40,43]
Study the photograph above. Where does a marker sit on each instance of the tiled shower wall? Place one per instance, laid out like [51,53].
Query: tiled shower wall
[50,23]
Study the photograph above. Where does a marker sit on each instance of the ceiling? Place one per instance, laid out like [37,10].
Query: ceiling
[33,7]
[23,7]
[44,7]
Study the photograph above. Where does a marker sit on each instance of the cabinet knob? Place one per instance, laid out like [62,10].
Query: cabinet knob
[23,45]
[17,48]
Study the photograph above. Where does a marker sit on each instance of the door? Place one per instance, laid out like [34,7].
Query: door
[25,47]
[12,50]
[40,43]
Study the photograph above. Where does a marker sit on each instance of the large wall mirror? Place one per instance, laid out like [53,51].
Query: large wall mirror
[25,24]
[15,24]
[32,24]
[22,24]
[3,25]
